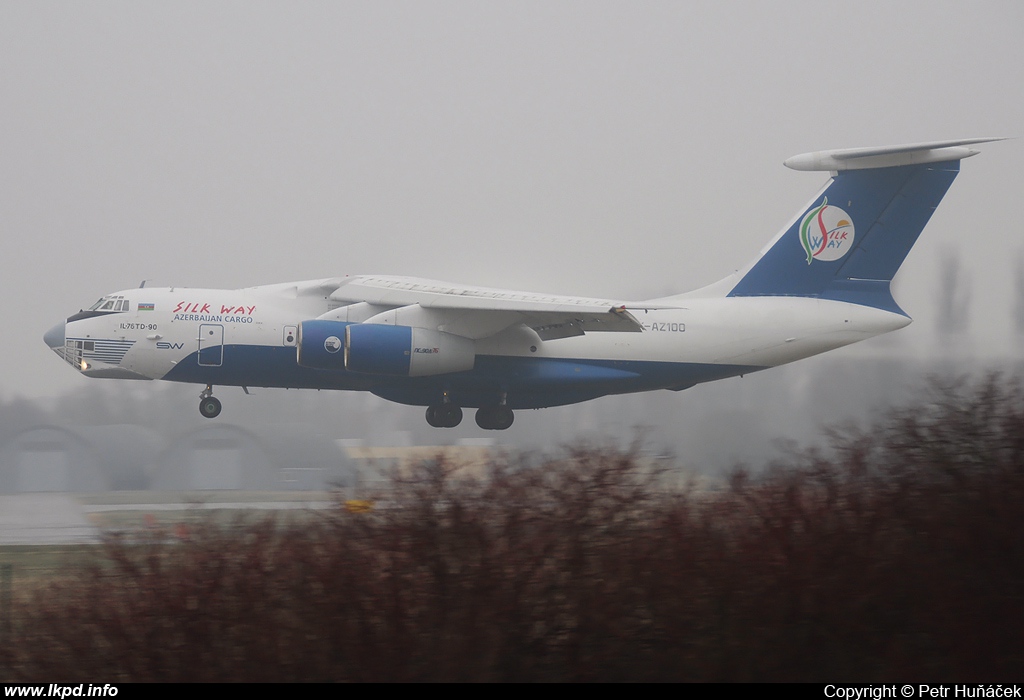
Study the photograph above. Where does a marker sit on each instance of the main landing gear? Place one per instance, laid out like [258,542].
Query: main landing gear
[209,405]
[495,417]
[448,415]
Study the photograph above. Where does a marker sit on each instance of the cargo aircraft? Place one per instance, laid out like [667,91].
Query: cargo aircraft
[823,282]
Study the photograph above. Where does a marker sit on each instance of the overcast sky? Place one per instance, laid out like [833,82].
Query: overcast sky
[621,149]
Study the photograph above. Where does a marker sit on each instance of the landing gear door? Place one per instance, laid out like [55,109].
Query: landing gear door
[211,345]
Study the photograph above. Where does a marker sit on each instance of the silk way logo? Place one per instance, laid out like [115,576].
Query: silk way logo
[826,233]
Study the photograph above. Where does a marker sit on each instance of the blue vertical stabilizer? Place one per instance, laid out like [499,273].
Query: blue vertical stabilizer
[849,243]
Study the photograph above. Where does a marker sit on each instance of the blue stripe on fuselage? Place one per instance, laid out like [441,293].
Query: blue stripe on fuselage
[529,382]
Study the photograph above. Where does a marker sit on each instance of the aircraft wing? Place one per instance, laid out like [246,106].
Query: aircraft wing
[551,316]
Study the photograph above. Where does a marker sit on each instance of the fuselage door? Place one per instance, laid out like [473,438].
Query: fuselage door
[211,345]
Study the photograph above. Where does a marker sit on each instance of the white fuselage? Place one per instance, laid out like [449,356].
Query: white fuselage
[248,337]
[823,281]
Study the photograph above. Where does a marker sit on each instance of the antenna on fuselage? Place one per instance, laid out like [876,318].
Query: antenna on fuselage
[142,284]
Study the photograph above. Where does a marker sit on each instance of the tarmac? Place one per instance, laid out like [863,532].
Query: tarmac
[45,518]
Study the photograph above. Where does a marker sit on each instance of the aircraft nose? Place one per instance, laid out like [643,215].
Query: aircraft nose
[54,338]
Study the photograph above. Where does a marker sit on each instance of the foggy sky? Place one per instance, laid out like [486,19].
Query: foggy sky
[604,149]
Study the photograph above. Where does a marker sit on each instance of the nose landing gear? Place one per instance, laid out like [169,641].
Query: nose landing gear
[209,405]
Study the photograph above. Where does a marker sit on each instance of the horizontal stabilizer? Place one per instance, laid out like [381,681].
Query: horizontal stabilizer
[886,156]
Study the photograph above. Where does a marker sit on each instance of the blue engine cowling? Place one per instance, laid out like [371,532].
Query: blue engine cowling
[321,344]
[371,348]
[406,351]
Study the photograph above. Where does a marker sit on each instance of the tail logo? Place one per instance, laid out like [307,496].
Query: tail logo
[826,232]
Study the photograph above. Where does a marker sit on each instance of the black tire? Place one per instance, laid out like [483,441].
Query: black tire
[444,416]
[450,415]
[209,407]
[503,418]
[495,417]
[484,417]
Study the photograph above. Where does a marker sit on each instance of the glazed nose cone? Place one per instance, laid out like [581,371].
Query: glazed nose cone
[54,338]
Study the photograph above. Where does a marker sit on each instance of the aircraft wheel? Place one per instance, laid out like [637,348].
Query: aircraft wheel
[444,416]
[209,407]
[495,417]
[450,414]
[503,418]
[483,417]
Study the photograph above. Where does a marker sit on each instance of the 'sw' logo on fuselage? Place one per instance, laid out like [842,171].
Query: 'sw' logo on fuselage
[826,232]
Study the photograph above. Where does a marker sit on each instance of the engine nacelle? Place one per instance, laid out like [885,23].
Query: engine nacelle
[404,351]
[371,348]
[321,344]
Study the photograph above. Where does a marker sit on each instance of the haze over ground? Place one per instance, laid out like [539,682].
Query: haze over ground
[592,148]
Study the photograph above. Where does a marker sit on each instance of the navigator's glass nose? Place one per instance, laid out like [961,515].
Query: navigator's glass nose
[54,338]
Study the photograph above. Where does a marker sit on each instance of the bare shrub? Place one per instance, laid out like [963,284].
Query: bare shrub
[894,555]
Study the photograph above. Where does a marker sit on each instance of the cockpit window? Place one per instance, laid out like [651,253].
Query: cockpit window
[111,303]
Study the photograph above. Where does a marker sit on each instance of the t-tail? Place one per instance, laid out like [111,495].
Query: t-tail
[848,243]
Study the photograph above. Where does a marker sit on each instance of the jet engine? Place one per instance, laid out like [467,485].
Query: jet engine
[321,344]
[371,348]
